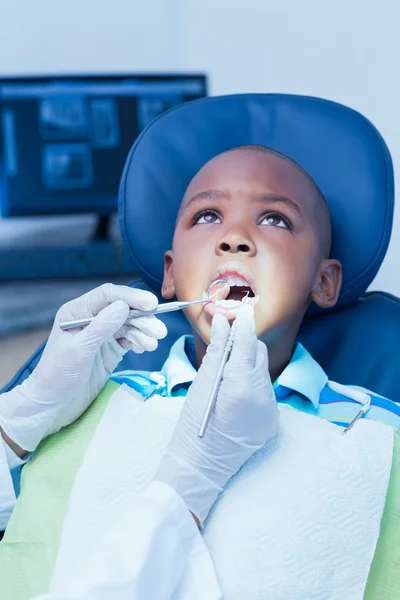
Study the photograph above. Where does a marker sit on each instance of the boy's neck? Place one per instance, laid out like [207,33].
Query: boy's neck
[278,355]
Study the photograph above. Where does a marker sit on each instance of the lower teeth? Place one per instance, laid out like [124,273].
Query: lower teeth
[231,303]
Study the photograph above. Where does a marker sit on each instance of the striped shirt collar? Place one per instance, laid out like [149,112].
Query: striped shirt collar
[302,375]
[179,367]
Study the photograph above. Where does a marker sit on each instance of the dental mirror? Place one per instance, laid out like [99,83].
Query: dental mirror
[217,289]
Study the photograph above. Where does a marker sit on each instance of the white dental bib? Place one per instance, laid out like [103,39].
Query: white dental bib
[300,521]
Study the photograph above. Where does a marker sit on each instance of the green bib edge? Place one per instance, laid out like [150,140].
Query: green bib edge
[384,576]
[29,548]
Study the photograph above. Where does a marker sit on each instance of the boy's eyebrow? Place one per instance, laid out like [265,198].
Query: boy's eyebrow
[208,195]
[282,199]
[268,197]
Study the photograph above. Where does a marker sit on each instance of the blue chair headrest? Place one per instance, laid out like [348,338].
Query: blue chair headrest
[341,150]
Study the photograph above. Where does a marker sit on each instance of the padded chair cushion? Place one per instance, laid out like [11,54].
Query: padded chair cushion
[359,344]
[338,147]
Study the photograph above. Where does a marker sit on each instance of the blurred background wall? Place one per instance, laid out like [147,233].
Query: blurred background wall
[344,51]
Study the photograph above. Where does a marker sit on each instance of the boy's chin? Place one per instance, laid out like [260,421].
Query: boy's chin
[203,330]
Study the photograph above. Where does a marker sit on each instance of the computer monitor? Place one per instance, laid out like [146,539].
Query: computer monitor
[65,139]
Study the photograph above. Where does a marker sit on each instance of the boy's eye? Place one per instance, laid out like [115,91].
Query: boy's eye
[277,220]
[205,217]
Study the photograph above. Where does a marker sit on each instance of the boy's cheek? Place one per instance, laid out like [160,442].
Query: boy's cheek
[189,283]
[280,309]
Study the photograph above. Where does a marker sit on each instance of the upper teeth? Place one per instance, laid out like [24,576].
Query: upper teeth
[236,280]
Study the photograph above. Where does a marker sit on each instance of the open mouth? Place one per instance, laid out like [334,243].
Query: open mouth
[242,290]
[239,291]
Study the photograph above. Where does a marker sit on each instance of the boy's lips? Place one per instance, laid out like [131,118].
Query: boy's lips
[236,274]
[234,270]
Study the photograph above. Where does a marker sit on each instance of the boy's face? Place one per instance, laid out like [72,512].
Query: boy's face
[254,219]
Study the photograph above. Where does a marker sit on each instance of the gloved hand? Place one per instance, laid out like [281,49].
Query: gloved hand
[76,364]
[245,416]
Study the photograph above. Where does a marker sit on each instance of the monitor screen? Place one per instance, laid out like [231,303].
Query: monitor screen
[64,140]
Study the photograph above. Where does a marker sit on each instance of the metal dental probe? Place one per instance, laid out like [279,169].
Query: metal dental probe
[217,382]
[161,308]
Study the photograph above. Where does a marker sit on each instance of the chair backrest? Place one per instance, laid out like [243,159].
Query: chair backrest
[341,150]
[350,162]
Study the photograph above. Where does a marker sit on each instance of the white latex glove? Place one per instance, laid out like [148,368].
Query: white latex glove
[244,418]
[76,364]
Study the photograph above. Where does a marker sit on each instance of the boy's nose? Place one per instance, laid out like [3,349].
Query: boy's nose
[234,242]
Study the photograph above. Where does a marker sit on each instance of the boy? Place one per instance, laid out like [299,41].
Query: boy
[255,218]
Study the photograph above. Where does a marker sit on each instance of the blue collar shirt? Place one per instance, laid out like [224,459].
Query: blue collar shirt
[303,385]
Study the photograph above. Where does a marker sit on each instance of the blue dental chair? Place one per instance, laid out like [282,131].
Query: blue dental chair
[356,343]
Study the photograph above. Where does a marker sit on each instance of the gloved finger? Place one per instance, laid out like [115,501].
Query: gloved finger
[105,324]
[149,325]
[220,330]
[262,360]
[269,415]
[244,349]
[93,302]
[201,387]
[126,345]
[108,293]
[110,356]
[141,339]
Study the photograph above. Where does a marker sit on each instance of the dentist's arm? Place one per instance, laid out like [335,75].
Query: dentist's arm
[74,367]
[155,549]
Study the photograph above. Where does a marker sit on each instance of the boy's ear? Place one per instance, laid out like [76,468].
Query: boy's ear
[326,289]
[168,286]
